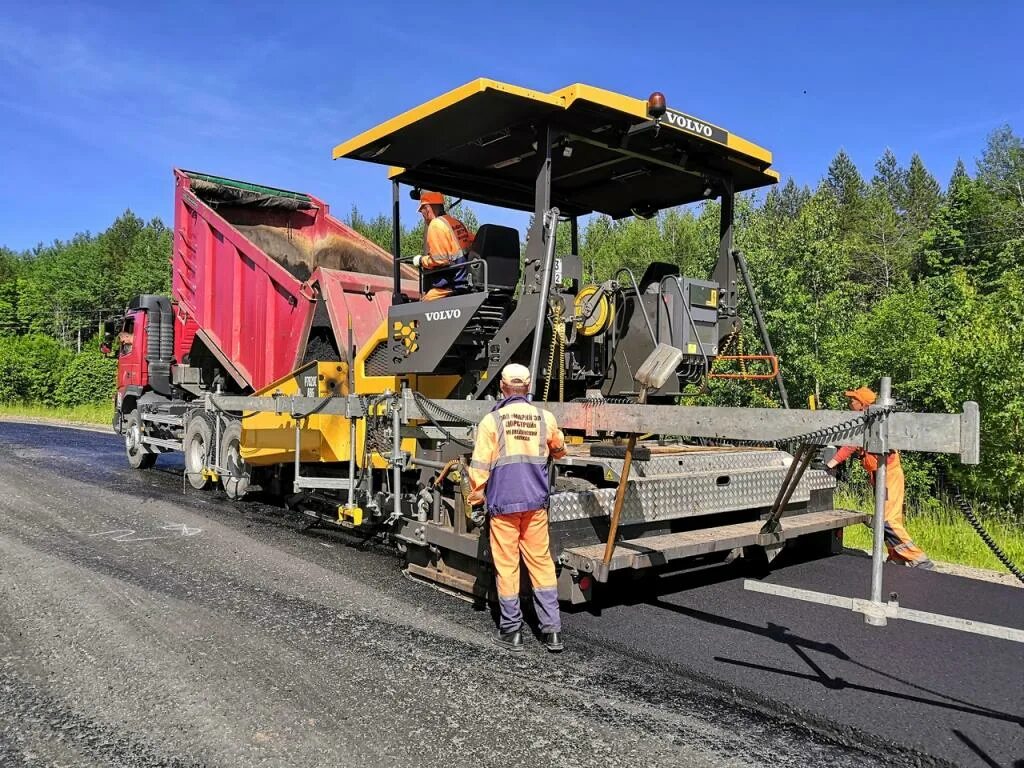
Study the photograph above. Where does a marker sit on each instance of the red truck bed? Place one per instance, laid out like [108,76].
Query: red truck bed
[250,264]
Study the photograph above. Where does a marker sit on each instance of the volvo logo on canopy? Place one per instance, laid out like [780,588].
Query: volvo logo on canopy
[684,122]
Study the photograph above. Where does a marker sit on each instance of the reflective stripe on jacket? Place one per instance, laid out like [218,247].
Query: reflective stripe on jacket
[510,456]
[447,241]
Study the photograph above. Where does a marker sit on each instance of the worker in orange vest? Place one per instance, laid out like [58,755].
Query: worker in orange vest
[902,548]
[446,242]
[508,473]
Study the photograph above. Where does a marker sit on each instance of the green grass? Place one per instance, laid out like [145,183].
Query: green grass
[942,531]
[91,413]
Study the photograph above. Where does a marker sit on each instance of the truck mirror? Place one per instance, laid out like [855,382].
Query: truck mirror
[106,350]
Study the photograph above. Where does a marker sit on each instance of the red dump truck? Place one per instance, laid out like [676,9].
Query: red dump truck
[264,280]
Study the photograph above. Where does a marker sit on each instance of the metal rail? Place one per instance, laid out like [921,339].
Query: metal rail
[889,610]
[953,433]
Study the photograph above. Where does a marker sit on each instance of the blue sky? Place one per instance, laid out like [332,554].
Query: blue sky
[99,101]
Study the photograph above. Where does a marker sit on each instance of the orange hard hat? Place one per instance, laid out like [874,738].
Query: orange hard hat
[864,395]
[431,198]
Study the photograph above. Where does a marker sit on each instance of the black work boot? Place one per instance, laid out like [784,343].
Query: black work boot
[513,641]
[553,642]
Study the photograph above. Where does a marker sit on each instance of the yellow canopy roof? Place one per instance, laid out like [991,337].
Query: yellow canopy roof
[479,141]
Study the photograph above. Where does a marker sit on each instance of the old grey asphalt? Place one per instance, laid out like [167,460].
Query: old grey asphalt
[140,625]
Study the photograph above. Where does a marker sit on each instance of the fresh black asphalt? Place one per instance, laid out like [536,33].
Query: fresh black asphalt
[144,625]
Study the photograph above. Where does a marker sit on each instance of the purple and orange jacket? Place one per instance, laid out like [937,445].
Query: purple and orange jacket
[510,457]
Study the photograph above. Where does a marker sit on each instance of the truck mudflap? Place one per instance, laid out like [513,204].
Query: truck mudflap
[651,551]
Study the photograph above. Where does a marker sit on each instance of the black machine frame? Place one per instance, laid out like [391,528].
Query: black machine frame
[729,266]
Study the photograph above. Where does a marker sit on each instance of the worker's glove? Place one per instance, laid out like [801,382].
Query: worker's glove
[416,260]
[478,516]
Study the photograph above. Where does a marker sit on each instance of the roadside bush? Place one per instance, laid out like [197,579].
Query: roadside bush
[13,376]
[30,368]
[88,378]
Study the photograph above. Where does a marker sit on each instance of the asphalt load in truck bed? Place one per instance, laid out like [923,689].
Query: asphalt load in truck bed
[141,625]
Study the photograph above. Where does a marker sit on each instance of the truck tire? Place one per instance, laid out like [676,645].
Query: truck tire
[236,473]
[139,456]
[198,449]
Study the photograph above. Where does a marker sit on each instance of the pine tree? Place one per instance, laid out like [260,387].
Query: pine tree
[844,181]
[944,243]
[959,172]
[892,179]
[923,193]
[1001,166]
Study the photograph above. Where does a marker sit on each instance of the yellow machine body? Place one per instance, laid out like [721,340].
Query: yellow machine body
[269,438]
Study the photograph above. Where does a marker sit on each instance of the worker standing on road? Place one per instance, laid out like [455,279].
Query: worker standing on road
[446,242]
[513,443]
[902,548]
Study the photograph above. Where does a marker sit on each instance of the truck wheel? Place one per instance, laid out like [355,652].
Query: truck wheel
[198,449]
[139,457]
[237,474]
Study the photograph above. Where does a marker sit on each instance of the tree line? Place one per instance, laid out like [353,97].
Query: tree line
[895,274]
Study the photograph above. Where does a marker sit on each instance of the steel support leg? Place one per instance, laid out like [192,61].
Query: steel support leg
[550,228]
[759,319]
[877,616]
[396,453]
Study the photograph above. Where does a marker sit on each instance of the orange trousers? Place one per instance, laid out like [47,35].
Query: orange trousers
[897,539]
[524,536]
[436,293]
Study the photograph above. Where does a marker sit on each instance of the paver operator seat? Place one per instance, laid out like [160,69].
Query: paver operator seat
[498,247]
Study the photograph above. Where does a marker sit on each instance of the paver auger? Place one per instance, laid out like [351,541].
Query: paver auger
[297,357]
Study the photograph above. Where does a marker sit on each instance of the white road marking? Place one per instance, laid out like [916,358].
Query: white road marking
[127,535]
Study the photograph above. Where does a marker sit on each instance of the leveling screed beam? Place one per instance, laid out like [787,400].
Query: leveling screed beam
[953,433]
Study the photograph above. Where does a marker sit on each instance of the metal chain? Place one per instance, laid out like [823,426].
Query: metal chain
[823,436]
[558,341]
[613,400]
[726,346]
[561,360]
[377,425]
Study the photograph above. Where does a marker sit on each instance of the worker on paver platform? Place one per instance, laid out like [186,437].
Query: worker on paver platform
[510,456]
[902,548]
[446,242]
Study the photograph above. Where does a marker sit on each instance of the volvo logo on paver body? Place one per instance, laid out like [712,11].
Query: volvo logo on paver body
[693,125]
[444,314]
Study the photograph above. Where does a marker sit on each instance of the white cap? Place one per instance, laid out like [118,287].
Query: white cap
[514,373]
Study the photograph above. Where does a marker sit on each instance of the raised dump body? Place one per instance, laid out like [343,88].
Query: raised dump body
[264,278]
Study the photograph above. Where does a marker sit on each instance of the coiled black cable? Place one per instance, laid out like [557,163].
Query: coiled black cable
[427,405]
[977,525]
